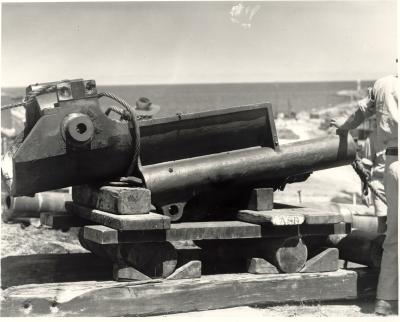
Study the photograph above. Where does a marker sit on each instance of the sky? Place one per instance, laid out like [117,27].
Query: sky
[196,42]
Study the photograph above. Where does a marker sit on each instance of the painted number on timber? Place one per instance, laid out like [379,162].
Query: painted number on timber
[288,220]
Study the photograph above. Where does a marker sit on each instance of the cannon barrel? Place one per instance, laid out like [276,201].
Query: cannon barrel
[19,207]
[252,167]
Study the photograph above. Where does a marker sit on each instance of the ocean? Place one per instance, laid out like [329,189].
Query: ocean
[284,97]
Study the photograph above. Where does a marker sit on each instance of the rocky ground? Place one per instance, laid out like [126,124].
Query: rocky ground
[321,188]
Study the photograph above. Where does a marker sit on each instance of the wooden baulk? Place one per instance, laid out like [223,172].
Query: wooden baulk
[116,200]
[140,246]
[155,297]
[208,230]
[149,221]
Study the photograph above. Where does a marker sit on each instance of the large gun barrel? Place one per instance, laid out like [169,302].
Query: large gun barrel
[246,168]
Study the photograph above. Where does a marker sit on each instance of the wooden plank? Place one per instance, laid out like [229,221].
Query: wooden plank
[149,221]
[116,200]
[261,199]
[313,216]
[274,218]
[58,220]
[326,261]
[101,234]
[169,296]
[323,218]
[209,230]
[212,230]
[180,231]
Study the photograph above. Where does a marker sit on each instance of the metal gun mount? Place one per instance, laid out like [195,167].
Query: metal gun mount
[187,160]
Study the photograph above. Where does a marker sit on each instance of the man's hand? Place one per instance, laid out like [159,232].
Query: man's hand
[366,199]
[339,130]
[334,123]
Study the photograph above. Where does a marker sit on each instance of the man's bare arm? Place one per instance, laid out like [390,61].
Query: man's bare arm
[366,108]
[392,104]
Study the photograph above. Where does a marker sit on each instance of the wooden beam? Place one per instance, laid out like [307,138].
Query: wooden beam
[180,231]
[116,200]
[261,199]
[313,216]
[100,234]
[206,231]
[57,220]
[212,230]
[323,218]
[149,221]
[172,296]
[270,216]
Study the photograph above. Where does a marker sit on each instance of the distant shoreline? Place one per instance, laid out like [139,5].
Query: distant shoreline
[218,83]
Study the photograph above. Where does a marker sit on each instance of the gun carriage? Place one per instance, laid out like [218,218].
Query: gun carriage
[175,197]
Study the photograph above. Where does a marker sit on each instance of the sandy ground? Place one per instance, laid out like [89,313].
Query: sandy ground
[338,184]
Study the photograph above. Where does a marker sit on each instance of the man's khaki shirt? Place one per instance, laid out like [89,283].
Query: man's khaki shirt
[384,103]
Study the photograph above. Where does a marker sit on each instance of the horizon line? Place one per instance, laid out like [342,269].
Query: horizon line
[216,83]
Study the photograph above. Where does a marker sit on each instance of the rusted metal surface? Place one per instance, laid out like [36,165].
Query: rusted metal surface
[244,169]
[196,134]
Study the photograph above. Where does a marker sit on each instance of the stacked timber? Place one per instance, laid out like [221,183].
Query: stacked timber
[118,224]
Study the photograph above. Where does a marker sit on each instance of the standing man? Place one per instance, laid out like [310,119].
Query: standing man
[383,102]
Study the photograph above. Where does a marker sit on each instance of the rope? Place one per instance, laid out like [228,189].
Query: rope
[122,113]
[114,109]
[129,115]
[8,106]
[359,169]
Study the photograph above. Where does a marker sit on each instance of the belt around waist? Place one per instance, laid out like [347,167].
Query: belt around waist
[392,151]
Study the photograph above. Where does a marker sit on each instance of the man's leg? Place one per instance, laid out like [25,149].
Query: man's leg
[388,277]
[379,205]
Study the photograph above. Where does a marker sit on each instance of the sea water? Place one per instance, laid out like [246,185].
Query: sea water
[284,97]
